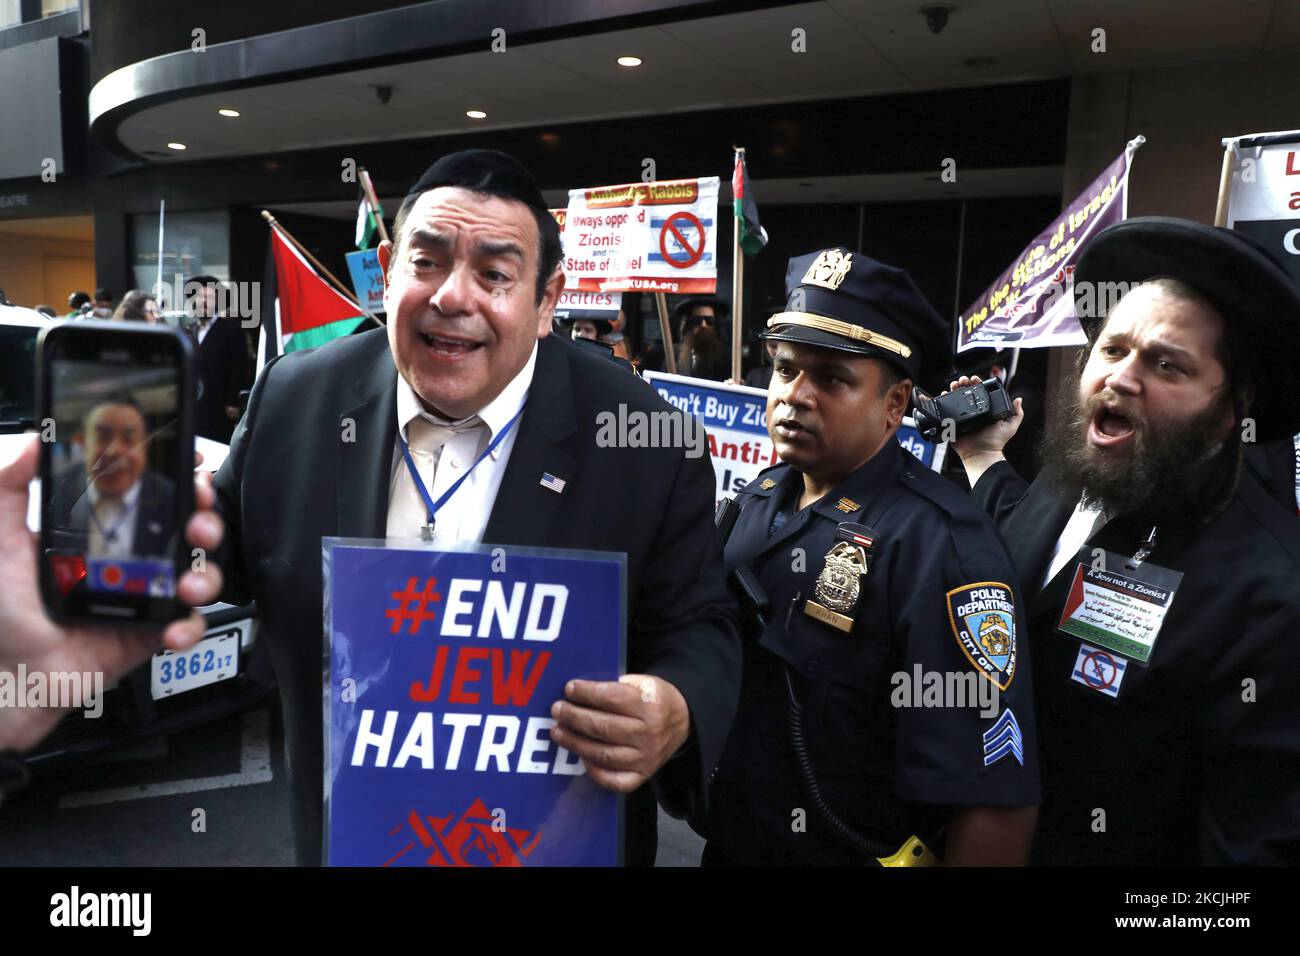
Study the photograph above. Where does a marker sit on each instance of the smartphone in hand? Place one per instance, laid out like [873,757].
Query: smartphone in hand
[117,470]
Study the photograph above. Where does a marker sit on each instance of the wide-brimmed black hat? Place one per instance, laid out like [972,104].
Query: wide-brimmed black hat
[1259,302]
[846,301]
[603,326]
[721,308]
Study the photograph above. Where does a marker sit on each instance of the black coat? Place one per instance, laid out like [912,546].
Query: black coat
[155,519]
[290,480]
[220,365]
[1186,770]
[1274,465]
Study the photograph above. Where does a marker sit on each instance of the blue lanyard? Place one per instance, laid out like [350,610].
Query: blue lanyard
[432,506]
[110,534]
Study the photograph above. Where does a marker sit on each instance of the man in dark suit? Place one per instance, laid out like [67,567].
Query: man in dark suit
[123,508]
[472,285]
[1167,578]
[220,346]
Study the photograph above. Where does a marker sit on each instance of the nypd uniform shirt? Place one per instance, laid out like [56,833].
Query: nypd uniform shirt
[922,708]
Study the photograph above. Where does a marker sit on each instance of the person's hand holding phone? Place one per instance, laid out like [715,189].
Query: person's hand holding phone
[29,637]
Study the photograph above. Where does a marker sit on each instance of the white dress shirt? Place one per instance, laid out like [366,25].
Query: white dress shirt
[464,517]
[117,515]
[1076,533]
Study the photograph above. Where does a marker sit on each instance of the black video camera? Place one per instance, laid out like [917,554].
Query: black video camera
[970,408]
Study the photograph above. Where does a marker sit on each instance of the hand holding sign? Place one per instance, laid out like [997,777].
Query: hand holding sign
[623,730]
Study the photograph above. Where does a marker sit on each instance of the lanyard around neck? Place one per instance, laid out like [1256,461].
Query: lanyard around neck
[432,506]
[110,534]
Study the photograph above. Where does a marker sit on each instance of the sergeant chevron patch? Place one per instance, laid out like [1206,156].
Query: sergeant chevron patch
[1003,739]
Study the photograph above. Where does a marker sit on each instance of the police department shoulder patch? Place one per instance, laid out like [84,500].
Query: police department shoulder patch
[983,618]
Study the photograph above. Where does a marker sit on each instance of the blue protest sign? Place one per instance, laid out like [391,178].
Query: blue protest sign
[734,416]
[927,452]
[735,420]
[367,279]
[443,666]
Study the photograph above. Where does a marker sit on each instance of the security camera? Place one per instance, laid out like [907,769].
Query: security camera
[936,18]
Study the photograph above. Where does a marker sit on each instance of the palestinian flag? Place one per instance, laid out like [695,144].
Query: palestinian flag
[753,236]
[300,310]
[369,216]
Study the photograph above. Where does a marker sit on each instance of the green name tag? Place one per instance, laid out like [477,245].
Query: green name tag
[1121,611]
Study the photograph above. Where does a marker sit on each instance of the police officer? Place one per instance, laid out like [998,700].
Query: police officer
[886,691]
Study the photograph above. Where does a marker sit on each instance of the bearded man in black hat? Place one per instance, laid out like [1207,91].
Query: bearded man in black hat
[886,692]
[472,279]
[1166,580]
[701,349]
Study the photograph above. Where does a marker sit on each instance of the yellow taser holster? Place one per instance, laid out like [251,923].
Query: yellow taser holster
[912,853]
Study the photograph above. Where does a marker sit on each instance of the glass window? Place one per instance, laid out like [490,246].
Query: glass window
[14,12]
[194,243]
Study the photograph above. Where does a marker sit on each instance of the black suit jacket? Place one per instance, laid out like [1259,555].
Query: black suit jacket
[1274,465]
[155,522]
[220,366]
[291,480]
[1197,758]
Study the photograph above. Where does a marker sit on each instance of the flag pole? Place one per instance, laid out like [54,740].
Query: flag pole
[670,358]
[737,284]
[1225,188]
[342,289]
[162,209]
[369,188]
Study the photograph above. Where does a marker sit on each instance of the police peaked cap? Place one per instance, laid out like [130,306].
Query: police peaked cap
[836,299]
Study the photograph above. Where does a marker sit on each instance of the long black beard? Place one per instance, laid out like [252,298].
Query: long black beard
[701,350]
[1177,472]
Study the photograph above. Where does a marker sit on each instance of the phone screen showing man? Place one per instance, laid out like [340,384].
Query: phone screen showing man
[113,461]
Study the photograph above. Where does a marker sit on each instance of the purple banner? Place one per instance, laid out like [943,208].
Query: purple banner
[1031,305]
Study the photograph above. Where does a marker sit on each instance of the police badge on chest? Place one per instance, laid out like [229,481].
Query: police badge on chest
[840,583]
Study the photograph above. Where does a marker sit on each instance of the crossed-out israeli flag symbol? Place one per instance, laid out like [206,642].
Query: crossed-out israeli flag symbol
[1003,738]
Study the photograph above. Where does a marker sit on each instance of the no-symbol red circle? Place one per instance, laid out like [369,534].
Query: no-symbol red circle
[692,255]
[1094,657]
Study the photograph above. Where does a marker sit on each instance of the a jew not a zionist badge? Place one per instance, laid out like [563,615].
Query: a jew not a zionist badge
[983,617]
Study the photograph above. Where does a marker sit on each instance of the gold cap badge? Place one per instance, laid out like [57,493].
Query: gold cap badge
[829,269]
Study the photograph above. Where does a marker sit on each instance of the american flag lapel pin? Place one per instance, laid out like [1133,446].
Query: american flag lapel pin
[554,484]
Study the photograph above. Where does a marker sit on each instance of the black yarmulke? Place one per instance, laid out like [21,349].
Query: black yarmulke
[482,170]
